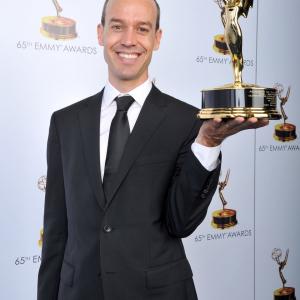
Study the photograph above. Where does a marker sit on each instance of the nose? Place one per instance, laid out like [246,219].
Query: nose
[129,37]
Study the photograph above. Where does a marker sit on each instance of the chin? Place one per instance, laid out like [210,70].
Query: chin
[128,77]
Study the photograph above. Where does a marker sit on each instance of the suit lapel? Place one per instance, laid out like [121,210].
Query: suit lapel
[149,119]
[89,118]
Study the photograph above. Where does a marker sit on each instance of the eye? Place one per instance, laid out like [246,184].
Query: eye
[143,29]
[116,27]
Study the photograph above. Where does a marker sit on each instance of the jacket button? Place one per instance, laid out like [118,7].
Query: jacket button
[107,228]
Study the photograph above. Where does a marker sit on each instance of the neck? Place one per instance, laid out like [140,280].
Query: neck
[125,86]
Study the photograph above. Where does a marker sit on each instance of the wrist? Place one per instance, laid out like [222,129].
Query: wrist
[207,142]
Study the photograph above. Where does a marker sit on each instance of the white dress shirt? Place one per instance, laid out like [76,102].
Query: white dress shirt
[208,156]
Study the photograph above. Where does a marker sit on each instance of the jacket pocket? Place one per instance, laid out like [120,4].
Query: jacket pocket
[67,273]
[168,274]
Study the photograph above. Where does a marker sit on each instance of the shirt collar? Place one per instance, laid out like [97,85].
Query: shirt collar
[139,93]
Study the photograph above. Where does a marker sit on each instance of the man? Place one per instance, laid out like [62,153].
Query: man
[113,230]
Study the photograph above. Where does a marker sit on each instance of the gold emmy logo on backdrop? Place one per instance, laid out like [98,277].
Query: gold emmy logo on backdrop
[41,238]
[224,218]
[284,293]
[42,183]
[239,98]
[220,45]
[58,27]
[284,132]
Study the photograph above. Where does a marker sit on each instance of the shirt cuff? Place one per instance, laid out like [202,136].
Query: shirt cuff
[207,156]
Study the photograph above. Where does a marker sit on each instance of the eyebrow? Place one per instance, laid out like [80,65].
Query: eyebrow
[116,20]
[146,23]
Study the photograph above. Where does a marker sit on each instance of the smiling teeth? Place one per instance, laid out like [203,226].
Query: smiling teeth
[128,56]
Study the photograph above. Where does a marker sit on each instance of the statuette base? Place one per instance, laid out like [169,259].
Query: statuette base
[58,28]
[285,132]
[220,45]
[224,218]
[244,100]
[286,293]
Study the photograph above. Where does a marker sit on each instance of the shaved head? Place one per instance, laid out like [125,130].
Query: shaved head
[157,26]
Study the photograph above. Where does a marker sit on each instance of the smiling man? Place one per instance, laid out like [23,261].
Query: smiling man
[131,171]
[129,34]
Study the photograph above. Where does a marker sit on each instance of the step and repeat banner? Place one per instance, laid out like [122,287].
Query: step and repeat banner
[253,255]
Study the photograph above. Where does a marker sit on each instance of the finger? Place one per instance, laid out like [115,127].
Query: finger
[252,123]
[231,124]
[257,123]
[248,123]
[213,123]
[236,125]
[264,121]
[217,122]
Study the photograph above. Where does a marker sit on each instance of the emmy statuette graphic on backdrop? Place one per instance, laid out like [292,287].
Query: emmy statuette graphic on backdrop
[42,182]
[284,132]
[224,218]
[220,45]
[40,242]
[58,27]
[284,293]
[237,99]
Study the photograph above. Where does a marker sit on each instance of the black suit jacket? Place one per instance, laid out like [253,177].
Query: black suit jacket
[127,247]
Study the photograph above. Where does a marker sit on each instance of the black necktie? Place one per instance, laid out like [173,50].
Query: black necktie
[118,135]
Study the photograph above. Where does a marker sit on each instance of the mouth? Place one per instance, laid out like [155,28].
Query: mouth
[129,56]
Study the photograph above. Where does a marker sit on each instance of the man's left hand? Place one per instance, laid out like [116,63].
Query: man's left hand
[213,132]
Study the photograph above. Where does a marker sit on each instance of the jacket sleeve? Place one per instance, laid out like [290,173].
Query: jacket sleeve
[55,221]
[191,190]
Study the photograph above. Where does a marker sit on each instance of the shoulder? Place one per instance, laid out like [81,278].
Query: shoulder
[176,105]
[79,105]
[75,108]
[68,116]
[180,115]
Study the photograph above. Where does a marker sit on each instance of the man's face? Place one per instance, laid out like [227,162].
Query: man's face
[129,38]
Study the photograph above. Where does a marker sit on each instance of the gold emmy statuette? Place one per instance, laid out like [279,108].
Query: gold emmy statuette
[220,45]
[58,27]
[224,218]
[239,98]
[285,132]
[284,293]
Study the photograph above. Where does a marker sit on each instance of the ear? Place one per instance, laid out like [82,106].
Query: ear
[100,31]
[158,35]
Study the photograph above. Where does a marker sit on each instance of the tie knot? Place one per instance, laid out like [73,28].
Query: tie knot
[124,102]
